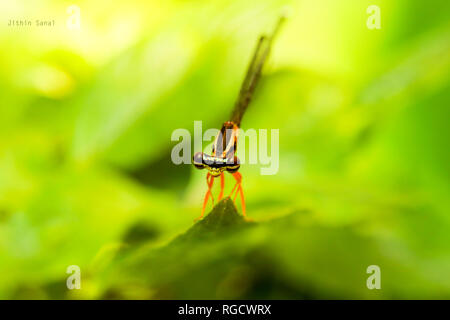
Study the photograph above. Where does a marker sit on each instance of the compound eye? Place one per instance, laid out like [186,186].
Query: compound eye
[197,160]
[234,165]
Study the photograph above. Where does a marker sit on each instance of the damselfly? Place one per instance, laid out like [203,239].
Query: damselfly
[223,156]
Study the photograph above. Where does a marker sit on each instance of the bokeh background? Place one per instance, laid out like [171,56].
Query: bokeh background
[86,118]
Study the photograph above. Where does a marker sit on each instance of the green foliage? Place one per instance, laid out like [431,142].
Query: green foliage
[85,138]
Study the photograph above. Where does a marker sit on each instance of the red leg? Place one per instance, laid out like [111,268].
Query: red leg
[222,186]
[209,182]
[239,190]
[238,178]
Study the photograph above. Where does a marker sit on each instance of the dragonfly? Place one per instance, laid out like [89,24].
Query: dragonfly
[223,155]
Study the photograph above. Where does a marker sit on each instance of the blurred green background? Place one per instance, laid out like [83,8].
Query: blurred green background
[86,179]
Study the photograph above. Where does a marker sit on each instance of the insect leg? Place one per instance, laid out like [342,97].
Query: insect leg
[209,182]
[239,190]
[222,186]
